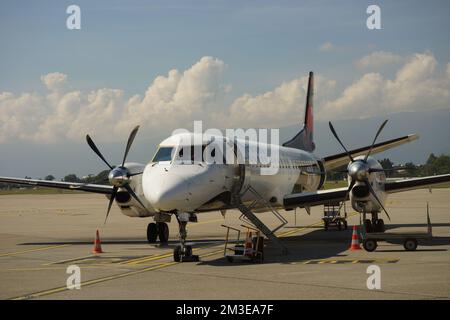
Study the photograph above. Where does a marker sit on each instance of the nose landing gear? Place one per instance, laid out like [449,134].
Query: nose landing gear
[183,252]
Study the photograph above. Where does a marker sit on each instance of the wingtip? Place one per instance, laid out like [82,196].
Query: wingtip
[413,136]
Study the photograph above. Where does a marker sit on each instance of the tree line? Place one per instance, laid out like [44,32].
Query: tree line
[100,178]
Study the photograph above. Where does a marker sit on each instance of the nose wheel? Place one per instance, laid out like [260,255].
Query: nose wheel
[183,252]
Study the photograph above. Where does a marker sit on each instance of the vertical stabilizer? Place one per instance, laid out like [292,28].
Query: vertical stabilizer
[304,139]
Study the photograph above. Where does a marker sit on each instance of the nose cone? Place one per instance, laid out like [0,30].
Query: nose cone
[118,176]
[358,170]
[170,194]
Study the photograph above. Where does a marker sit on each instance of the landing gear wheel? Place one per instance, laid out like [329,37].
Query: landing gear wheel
[183,252]
[410,244]
[368,226]
[177,254]
[152,232]
[370,245]
[163,232]
[188,251]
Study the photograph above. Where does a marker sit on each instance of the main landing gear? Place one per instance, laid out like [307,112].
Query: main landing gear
[157,230]
[183,252]
[374,225]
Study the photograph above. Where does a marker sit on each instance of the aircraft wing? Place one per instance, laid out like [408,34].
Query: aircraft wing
[341,159]
[310,199]
[95,188]
[415,183]
[321,197]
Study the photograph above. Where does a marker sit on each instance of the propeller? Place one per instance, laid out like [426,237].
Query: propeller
[359,170]
[374,194]
[375,139]
[119,176]
[339,140]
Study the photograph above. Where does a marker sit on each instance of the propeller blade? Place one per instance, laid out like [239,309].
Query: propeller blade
[130,191]
[350,187]
[95,149]
[129,143]
[135,174]
[340,142]
[376,197]
[375,139]
[111,200]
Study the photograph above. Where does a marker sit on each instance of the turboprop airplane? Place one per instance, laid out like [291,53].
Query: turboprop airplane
[179,183]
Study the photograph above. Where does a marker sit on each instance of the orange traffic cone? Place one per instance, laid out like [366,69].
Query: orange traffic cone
[97,244]
[355,240]
[248,248]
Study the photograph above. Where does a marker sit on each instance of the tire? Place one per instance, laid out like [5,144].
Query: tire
[345,225]
[176,254]
[152,232]
[410,244]
[163,232]
[326,226]
[188,251]
[370,245]
[339,225]
[368,226]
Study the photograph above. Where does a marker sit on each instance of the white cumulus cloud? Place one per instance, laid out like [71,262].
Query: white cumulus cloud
[416,86]
[54,81]
[378,59]
[179,97]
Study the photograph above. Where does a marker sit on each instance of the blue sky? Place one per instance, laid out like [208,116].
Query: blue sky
[237,62]
[125,44]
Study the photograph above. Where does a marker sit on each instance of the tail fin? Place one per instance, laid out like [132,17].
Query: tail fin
[304,139]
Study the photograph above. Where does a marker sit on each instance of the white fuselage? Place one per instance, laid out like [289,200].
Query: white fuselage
[171,183]
[176,184]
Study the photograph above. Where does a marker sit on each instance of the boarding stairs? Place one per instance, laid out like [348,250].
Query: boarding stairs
[249,217]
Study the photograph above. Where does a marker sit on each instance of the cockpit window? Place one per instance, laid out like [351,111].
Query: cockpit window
[163,154]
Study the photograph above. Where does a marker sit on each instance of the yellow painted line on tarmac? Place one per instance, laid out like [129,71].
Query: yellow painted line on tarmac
[107,278]
[46,268]
[69,260]
[146,258]
[33,250]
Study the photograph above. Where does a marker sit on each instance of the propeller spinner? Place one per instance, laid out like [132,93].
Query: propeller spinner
[119,177]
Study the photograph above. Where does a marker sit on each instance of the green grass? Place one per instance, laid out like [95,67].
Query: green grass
[37,191]
[335,184]
[445,185]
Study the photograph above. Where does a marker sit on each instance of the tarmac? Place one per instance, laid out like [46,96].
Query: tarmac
[42,235]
